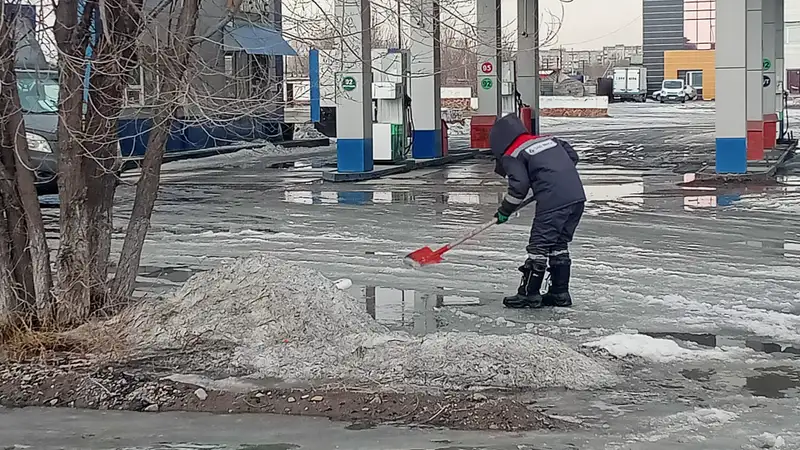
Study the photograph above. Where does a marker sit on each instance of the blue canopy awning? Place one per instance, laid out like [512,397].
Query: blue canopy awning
[258,40]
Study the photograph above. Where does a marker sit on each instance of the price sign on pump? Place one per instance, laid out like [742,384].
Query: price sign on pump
[348,83]
[487,67]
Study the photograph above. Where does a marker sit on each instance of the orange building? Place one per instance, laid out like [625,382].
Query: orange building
[695,67]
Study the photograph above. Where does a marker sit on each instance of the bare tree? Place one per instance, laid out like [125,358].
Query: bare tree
[88,115]
[24,226]
[87,144]
[171,65]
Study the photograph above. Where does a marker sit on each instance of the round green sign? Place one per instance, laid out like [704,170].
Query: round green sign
[767,64]
[348,83]
[486,83]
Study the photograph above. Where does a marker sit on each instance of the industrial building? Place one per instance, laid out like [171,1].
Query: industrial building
[678,41]
[242,70]
[792,46]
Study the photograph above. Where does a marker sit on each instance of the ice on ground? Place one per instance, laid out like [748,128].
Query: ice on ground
[736,313]
[291,323]
[767,440]
[621,345]
[700,417]
[689,423]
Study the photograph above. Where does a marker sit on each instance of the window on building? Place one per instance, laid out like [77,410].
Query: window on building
[265,82]
[228,65]
[134,91]
[699,21]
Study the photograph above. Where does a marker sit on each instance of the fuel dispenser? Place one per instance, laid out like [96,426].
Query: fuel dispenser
[508,89]
[391,69]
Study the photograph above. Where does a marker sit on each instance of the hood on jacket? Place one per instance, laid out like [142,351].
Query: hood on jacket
[504,132]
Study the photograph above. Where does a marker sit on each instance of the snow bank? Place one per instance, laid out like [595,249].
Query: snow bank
[622,345]
[307,131]
[292,323]
[700,417]
[241,158]
[690,424]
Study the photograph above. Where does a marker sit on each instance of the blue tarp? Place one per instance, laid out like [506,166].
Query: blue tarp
[260,40]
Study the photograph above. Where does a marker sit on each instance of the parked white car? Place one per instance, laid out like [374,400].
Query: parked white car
[675,91]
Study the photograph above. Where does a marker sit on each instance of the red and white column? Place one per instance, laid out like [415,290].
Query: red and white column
[489,70]
[754,91]
[770,81]
[780,66]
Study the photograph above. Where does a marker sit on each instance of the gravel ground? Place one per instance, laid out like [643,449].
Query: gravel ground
[81,384]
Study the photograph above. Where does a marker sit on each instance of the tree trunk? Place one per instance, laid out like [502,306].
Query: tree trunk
[101,202]
[39,251]
[16,225]
[9,303]
[15,128]
[115,57]
[101,167]
[18,274]
[139,223]
[74,270]
[9,308]
[172,67]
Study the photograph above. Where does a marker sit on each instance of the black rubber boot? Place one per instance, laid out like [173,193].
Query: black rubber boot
[528,295]
[558,292]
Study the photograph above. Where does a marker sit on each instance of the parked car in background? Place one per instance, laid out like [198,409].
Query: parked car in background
[673,91]
[38,96]
[691,92]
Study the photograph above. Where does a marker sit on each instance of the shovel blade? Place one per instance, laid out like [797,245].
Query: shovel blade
[423,257]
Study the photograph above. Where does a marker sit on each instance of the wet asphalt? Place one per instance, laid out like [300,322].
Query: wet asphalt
[716,272]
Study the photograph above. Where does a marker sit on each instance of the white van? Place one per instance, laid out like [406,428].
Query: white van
[672,91]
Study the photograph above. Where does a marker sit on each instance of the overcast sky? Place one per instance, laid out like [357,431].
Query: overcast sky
[591,24]
[587,24]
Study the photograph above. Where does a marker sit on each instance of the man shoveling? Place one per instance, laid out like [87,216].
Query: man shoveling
[545,165]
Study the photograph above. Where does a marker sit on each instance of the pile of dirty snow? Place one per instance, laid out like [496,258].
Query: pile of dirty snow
[459,128]
[247,157]
[292,323]
[307,131]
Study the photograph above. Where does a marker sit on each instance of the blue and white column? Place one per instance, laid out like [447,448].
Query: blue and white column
[731,70]
[754,92]
[527,58]
[770,83]
[425,84]
[353,86]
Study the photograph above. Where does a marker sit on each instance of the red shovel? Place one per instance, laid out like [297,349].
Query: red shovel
[426,255]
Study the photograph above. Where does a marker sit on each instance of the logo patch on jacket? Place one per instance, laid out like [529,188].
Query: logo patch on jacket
[540,146]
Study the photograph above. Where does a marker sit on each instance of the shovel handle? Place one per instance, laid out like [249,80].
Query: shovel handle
[472,233]
[484,227]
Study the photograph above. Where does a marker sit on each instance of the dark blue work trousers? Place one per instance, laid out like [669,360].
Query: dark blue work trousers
[552,231]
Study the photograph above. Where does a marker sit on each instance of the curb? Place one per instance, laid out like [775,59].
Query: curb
[407,166]
[134,162]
